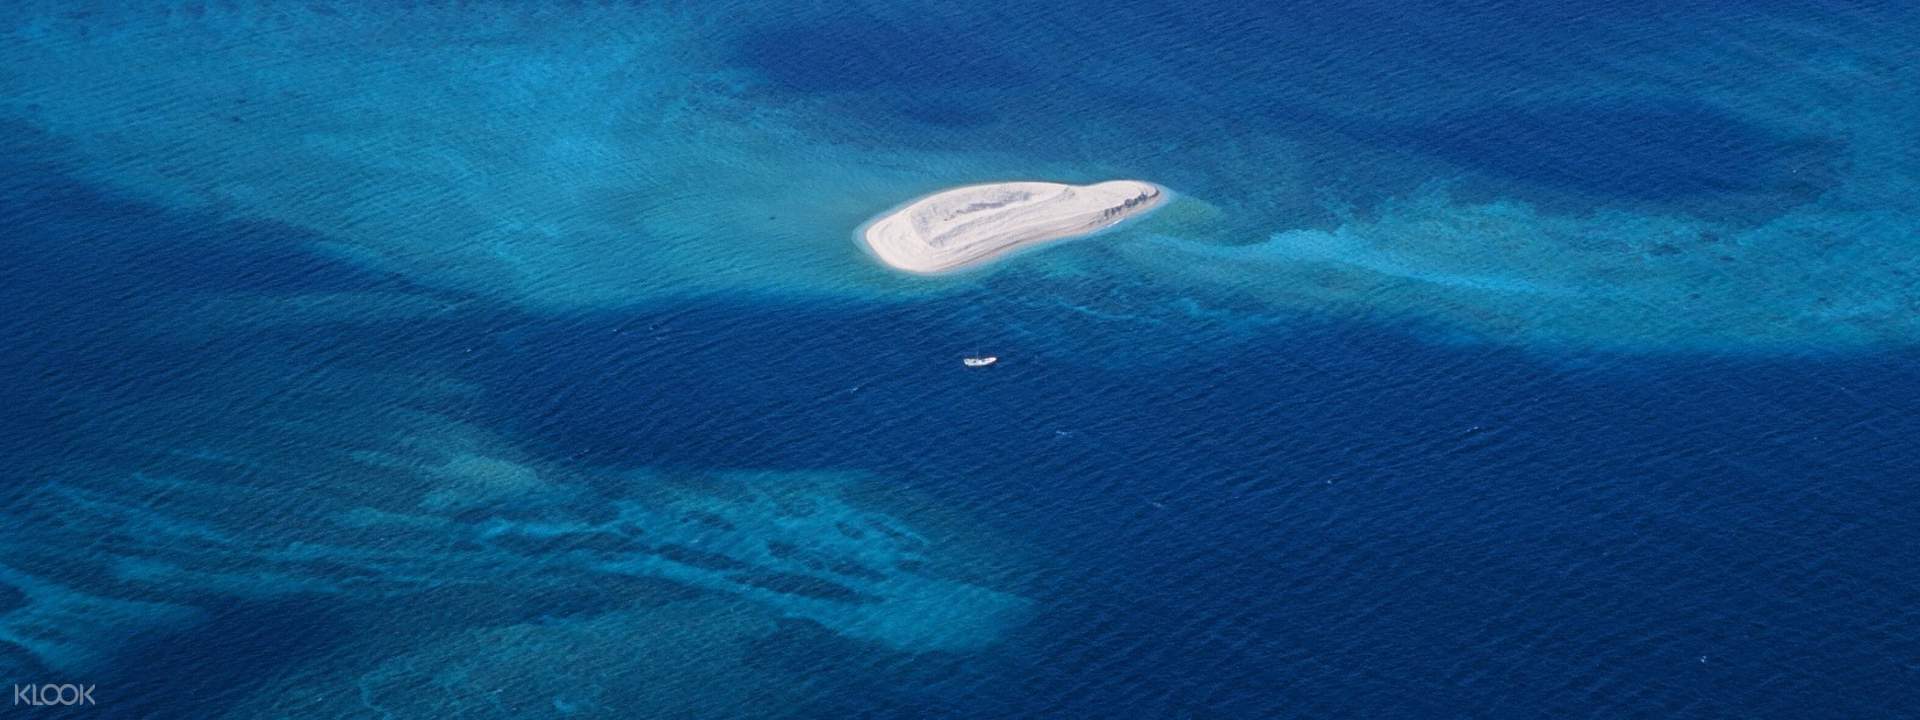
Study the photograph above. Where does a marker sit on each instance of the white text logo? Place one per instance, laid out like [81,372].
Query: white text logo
[40,695]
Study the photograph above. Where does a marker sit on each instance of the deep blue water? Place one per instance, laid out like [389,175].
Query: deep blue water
[272,453]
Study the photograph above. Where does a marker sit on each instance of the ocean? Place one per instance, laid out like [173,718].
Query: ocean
[489,360]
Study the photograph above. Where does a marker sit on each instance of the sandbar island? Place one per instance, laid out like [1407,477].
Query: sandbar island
[965,226]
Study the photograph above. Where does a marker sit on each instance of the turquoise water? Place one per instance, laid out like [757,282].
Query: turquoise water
[518,360]
[1619,182]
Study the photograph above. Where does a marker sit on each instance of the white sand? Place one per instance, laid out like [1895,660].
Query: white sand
[952,229]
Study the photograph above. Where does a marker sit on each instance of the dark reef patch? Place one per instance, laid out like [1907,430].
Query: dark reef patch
[241,647]
[805,586]
[698,558]
[1643,151]
[11,599]
[842,54]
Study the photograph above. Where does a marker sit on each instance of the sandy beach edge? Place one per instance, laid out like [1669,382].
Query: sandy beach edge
[860,234]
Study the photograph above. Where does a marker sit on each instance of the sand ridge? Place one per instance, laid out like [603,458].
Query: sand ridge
[964,226]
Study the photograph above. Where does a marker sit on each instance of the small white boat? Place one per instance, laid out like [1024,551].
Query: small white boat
[979,361]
